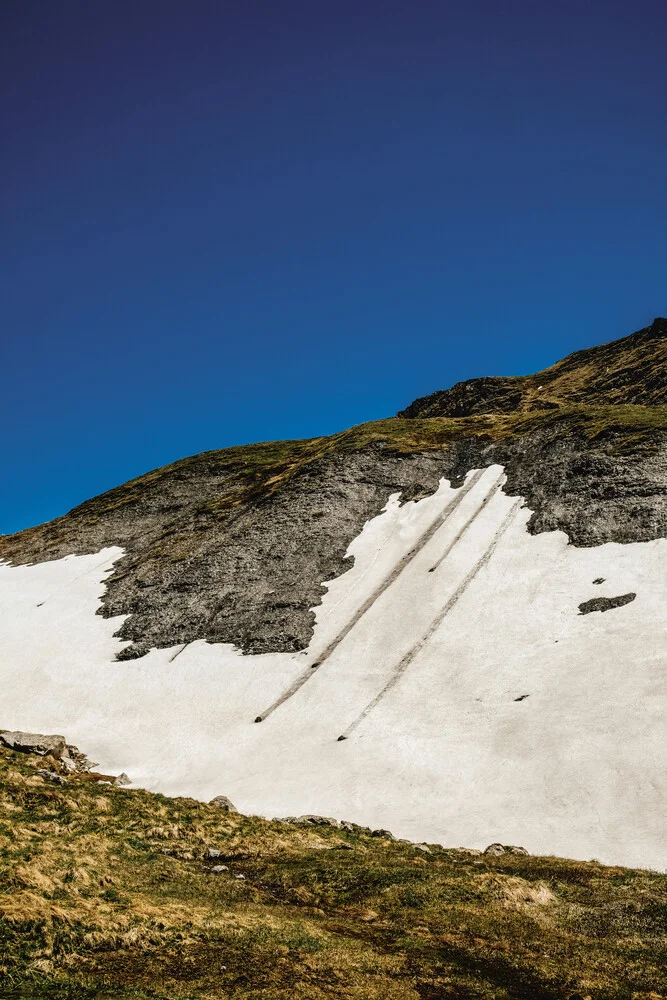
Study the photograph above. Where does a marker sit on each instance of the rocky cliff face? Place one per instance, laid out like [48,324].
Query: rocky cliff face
[233,546]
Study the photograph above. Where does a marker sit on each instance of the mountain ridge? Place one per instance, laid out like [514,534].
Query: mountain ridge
[233,545]
[634,373]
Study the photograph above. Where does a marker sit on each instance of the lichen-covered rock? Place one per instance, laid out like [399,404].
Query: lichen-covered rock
[222,802]
[495,850]
[34,743]
[309,820]
[55,779]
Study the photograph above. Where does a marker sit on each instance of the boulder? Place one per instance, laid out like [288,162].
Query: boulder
[34,743]
[386,834]
[309,820]
[495,850]
[219,868]
[74,760]
[55,779]
[222,802]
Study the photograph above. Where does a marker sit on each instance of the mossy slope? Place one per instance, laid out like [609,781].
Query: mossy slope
[105,892]
[631,370]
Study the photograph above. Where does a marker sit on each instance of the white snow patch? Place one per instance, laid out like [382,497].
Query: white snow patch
[425,684]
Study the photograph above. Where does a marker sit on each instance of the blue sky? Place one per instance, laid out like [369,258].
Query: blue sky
[226,222]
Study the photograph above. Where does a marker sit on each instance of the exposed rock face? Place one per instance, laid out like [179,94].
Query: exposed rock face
[233,546]
[35,743]
[631,370]
[595,491]
[68,758]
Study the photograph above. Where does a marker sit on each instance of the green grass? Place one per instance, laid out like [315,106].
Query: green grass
[104,892]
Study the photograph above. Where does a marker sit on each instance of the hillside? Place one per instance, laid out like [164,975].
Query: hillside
[449,626]
[627,371]
[233,545]
[110,893]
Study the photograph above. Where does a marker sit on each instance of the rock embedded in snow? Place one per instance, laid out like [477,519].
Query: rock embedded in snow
[222,802]
[35,743]
[605,603]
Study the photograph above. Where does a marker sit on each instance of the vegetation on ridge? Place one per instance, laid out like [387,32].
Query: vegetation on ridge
[632,370]
[254,472]
[107,893]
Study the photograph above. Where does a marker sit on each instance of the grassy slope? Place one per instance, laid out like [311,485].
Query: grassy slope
[104,893]
[630,370]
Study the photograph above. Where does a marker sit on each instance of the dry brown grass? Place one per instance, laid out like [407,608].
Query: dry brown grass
[106,892]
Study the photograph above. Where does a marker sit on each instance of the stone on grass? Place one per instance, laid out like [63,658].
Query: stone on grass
[495,850]
[222,802]
[34,743]
[55,779]
[310,820]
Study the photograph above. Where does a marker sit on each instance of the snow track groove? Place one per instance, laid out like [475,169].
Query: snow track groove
[405,662]
[437,522]
[427,681]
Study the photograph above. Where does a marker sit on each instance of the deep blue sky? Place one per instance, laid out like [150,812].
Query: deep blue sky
[229,222]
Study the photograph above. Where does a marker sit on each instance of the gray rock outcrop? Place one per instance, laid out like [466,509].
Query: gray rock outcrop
[35,743]
[222,802]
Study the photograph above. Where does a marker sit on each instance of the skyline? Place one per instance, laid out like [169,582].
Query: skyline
[232,225]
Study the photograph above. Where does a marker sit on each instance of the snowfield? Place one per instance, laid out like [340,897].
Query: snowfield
[476,702]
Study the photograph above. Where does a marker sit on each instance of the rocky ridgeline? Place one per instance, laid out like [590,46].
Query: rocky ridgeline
[232,546]
[67,762]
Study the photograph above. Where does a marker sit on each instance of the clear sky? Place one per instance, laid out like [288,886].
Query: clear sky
[230,222]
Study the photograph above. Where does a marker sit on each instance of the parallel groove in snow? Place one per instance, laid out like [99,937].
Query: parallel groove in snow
[436,523]
[436,670]
[405,662]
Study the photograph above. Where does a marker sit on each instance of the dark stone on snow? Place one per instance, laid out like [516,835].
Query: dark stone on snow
[605,603]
